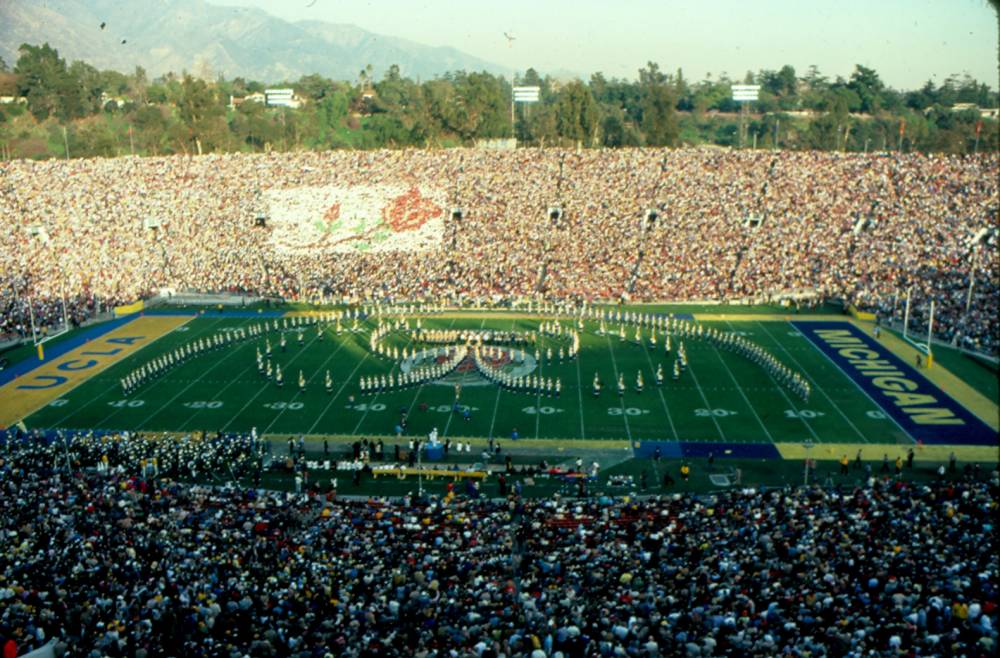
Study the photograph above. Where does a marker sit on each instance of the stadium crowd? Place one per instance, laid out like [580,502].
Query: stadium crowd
[123,562]
[79,229]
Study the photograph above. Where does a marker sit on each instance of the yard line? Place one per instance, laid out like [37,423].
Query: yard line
[496,403]
[663,400]
[377,394]
[820,388]
[452,414]
[164,380]
[744,396]
[579,393]
[337,394]
[621,398]
[722,435]
[308,381]
[263,388]
[117,383]
[781,390]
[199,379]
[420,388]
[538,393]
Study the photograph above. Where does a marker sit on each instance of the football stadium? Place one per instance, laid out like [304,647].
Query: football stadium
[497,397]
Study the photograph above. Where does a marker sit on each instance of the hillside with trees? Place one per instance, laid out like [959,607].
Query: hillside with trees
[57,109]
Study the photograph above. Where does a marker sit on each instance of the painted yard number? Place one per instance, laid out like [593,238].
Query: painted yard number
[718,413]
[545,411]
[131,404]
[281,406]
[803,413]
[628,411]
[203,404]
[364,406]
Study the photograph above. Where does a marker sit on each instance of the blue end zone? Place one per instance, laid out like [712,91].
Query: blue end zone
[55,350]
[677,450]
[920,408]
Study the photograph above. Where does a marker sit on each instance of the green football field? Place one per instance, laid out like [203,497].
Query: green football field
[721,397]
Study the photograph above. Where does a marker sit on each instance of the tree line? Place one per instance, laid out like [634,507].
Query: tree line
[76,110]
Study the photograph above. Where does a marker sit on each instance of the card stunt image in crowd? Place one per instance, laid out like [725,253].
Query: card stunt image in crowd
[360,218]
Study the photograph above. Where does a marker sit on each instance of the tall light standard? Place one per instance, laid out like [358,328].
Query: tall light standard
[744,94]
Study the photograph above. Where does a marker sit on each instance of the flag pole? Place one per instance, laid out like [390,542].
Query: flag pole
[930,334]
[906,314]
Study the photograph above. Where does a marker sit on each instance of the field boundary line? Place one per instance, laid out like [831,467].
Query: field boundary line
[155,383]
[978,404]
[96,376]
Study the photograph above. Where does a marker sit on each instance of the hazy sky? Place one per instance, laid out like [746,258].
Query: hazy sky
[906,41]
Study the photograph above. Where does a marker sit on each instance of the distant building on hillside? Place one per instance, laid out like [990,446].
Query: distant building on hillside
[236,101]
[282,98]
[984,112]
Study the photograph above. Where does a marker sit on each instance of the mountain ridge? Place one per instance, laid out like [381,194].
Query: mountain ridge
[208,40]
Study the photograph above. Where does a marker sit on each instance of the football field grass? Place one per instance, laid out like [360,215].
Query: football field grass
[722,397]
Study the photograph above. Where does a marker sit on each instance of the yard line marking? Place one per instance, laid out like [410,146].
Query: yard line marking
[260,390]
[337,394]
[496,403]
[462,381]
[663,400]
[117,382]
[215,365]
[792,404]
[820,388]
[722,435]
[420,388]
[621,398]
[153,384]
[308,381]
[745,398]
[579,393]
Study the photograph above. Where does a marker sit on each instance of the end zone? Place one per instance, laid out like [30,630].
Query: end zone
[56,377]
[922,410]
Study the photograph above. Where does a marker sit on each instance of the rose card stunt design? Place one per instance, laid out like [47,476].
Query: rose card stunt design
[360,218]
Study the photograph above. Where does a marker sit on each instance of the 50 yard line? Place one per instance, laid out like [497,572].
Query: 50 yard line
[496,402]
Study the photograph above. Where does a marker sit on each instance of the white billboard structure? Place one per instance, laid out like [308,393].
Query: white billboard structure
[522,95]
[526,94]
[281,98]
[744,94]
